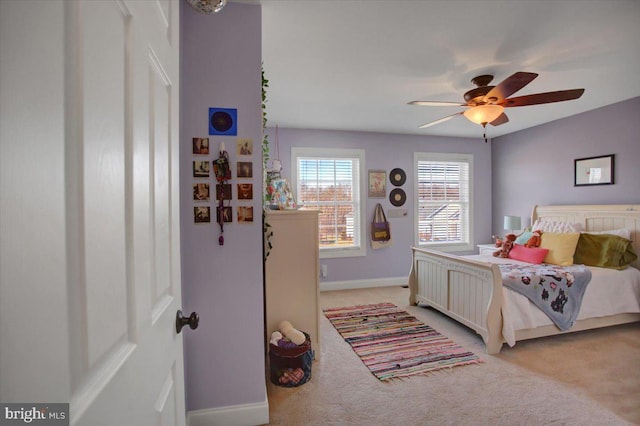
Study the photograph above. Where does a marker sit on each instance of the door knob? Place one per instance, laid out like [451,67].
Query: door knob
[192,321]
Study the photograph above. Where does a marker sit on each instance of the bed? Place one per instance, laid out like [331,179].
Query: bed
[469,289]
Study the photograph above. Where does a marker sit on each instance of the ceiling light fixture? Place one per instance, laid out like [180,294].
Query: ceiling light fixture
[483,114]
[207,6]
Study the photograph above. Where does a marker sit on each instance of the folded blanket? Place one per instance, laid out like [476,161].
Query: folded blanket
[556,290]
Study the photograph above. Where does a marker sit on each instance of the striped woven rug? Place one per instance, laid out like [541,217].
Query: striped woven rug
[394,344]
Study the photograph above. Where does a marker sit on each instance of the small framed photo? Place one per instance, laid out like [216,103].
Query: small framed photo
[377,184]
[200,146]
[245,191]
[201,169]
[201,192]
[227,214]
[245,214]
[244,147]
[223,190]
[594,171]
[202,214]
[244,169]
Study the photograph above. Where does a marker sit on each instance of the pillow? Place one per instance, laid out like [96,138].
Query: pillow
[605,251]
[561,247]
[558,227]
[622,232]
[523,238]
[528,254]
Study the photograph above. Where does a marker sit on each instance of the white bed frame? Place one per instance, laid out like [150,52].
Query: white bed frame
[470,291]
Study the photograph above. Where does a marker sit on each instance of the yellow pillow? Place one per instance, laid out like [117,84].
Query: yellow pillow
[561,247]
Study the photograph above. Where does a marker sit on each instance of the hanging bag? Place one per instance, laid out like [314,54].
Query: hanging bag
[380,229]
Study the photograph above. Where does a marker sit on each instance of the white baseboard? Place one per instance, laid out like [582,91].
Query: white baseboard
[370,283]
[235,415]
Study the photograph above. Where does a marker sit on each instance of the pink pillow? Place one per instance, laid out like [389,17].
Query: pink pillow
[528,254]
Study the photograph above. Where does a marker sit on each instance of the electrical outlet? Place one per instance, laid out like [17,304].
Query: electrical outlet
[324,271]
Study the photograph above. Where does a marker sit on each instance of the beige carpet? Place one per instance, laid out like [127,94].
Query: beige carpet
[589,378]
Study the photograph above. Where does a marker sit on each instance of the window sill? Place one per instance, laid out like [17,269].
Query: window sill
[337,253]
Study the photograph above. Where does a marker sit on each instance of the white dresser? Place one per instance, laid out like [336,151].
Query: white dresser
[291,273]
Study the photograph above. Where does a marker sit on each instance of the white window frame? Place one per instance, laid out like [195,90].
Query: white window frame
[333,153]
[453,157]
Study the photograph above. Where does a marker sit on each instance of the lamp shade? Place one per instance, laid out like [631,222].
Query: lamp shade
[483,114]
[511,223]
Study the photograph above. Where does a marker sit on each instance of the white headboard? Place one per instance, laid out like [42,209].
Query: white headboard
[597,218]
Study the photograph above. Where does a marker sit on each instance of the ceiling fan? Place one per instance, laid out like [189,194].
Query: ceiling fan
[487,103]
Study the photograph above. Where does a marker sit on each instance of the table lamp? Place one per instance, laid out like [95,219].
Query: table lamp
[511,223]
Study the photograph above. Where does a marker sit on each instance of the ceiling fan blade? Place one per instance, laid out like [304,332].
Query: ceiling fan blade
[435,103]
[509,86]
[502,118]
[543,98]
[441,120]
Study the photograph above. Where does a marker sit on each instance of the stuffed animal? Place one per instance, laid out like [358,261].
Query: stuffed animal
[507,245]
[535,239]
[287,330]
[276,336]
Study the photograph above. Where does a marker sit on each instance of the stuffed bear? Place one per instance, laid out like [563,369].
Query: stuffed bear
[507,245]
[535,239]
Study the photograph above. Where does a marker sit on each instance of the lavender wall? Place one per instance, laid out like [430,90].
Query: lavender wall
[535,166]
[386,152]
[220,67]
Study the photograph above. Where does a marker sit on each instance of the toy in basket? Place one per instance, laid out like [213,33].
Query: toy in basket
[290,356]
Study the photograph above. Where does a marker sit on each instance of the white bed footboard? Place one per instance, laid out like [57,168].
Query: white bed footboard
[468,291]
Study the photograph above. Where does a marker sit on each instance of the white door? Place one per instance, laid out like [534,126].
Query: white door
[90,243]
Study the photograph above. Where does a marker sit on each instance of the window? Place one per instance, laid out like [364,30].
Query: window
[443,194]
[331,180]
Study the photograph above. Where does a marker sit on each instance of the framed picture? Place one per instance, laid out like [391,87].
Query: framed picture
[223,187]
[201,169]
[202,214]
[377,184]
[244,147]
[200,146]
[244,169]
[223,121]
[245,214]
[594,171]
[245,191]
[201,192]
[227,214]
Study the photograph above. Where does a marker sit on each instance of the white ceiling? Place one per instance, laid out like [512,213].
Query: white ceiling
[354,65]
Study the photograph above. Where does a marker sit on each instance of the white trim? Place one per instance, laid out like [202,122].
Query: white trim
[331,153]
[369,283]
[441,156]
[232,415]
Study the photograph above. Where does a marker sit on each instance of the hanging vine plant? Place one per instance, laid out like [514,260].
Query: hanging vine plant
[266,196]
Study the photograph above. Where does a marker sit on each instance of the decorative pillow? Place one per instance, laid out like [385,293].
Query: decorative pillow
[528,254]
[561,247]
[622,232]
[605,251]
[557,227]
[524,237]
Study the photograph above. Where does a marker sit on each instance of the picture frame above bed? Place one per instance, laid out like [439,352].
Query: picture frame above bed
[594,171]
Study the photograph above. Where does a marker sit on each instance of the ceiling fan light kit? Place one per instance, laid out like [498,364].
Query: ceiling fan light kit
[487,103]
[483,114]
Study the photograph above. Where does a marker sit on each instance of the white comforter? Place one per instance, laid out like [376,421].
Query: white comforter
[610,292]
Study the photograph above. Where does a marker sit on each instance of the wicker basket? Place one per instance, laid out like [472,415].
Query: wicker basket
[290,367]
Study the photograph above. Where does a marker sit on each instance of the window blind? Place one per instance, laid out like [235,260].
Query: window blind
[443,201]
[332,186]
